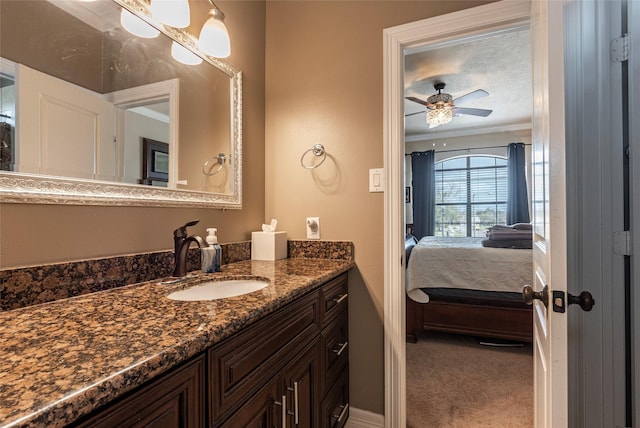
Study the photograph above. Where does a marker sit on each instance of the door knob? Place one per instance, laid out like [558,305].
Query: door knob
[529,295]
[584,299]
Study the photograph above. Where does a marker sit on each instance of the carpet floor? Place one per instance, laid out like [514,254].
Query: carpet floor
[453,381]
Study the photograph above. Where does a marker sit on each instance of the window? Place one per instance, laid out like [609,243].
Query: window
[471,195]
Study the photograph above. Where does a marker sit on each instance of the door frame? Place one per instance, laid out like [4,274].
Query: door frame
[465,24]
[148,94]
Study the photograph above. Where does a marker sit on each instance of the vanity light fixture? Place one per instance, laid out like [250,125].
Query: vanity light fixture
[214,37]
[174,13]
[184,55]
[440,115]
[137,26]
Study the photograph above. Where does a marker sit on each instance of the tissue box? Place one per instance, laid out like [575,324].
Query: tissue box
[268,245]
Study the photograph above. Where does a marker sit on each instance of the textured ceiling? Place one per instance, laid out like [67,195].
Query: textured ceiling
[500,64]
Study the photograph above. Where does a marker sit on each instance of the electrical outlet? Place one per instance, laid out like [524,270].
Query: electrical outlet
[313,227]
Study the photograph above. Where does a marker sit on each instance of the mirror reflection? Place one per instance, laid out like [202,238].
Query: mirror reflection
[82,97]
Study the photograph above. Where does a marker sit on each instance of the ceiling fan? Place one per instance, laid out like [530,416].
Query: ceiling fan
[441,107]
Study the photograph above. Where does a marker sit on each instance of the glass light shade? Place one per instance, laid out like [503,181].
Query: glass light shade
[137,26]
[184,55]
[214,38]
[174,13]
[439,116]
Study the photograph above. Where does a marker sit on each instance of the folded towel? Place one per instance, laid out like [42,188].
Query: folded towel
[516,226]
[512,243]
[500,235]
[522,226]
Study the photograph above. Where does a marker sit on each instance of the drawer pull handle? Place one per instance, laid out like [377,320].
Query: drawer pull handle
[296,406]
[342,346]
[283,403]
[344,411]
[341,298]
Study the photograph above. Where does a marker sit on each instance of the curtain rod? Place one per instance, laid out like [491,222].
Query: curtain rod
[471,148]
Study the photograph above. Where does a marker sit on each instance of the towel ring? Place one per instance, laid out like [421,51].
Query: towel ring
[317,150]
[220,159]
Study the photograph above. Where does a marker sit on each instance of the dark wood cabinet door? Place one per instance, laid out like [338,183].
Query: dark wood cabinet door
[302,384]
[263,410]
[240,364]
[175,399]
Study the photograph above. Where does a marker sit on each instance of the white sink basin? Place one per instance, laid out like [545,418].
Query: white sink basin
[213,290]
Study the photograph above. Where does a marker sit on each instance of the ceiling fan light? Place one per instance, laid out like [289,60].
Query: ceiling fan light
[214,37]
[174,13]
[439,116]
[137,26]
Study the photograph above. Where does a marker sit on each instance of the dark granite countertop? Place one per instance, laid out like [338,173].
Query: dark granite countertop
[63,359]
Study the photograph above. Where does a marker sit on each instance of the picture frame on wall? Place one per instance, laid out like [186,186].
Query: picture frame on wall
[155,161]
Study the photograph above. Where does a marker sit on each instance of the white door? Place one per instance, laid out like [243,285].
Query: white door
[63,129]
[549,213]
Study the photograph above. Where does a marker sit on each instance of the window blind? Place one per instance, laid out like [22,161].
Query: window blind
[471,195]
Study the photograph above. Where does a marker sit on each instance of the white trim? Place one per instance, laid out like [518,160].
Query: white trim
[7,67]
[465,132]
[364,419]
[151,114]
[460,25]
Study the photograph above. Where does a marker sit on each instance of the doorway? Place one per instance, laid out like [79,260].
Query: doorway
[459,25]
[488,79]
[591,24]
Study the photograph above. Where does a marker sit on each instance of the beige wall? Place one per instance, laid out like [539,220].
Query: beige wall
[37,234]
[324,85]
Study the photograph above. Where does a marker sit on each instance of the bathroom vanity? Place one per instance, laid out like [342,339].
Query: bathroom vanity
[133,357]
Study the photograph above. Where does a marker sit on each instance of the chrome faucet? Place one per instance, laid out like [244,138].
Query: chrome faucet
[181,243]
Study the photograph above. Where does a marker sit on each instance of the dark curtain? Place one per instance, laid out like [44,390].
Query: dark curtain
[424,193]
[517,197]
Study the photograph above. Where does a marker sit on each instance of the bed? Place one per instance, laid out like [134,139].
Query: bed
[456,285]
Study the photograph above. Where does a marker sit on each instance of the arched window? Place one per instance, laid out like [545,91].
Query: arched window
[471,195]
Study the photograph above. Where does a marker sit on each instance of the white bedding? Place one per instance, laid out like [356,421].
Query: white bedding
[465,263]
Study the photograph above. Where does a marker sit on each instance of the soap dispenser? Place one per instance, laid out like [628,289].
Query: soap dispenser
[212,255]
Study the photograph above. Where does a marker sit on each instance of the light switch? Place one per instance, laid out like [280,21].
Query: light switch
[376,180]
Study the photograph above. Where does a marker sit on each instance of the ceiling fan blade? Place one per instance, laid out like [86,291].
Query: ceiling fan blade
[478,93]
[473,111]
[413,114]
[416,100]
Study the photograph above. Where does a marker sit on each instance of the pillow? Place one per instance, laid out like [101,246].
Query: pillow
[410,241]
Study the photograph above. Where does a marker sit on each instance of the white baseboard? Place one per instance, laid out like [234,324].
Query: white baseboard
[364,419]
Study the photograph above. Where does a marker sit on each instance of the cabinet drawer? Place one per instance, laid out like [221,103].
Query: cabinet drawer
[241,364]
[335,406]
[173,400]
[333,298]
[335,349]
